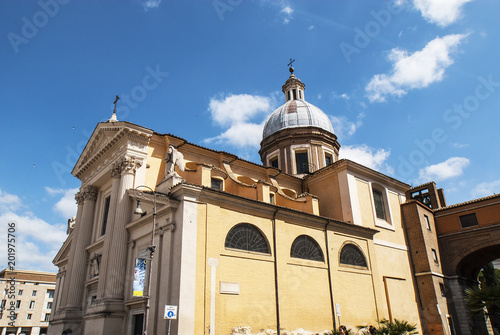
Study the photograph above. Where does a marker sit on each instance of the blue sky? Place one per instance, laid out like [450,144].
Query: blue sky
[412,88]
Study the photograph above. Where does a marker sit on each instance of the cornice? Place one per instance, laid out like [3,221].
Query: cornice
[362,170]
[490,200]
[266,210]
[58,260]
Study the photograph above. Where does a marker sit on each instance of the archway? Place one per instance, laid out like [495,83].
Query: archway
[469,260]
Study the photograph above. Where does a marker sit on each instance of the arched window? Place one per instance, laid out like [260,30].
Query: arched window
[245,236]
[307,248]
[351,255]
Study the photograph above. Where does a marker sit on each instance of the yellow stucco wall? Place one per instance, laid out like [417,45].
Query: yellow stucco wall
[304,292]
[365,203]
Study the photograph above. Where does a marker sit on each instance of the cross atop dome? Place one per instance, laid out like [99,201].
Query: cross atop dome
[293,88]
[291,69]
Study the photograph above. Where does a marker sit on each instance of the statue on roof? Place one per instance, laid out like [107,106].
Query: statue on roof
[172,159]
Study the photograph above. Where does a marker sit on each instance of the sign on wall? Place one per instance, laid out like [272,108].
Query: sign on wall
[139,277]
[170,312]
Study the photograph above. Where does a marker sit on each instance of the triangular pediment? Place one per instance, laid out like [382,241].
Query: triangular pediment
[101,136]
[63,253]
[105,135]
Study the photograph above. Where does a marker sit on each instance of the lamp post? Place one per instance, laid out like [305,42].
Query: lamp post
[138,210]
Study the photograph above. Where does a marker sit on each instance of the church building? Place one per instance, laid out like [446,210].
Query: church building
[174,238]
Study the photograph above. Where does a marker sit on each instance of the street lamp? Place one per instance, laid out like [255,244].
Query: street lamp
[138,210]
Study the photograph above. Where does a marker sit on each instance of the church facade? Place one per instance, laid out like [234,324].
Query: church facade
[303,241]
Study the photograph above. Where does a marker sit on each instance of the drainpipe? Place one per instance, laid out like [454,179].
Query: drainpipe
[276,275]
[330,274]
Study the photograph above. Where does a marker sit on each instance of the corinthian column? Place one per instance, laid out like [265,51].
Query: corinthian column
[115,276]
[76,230]
[108,237]
[79,268]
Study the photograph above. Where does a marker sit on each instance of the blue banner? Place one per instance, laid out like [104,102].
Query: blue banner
[139,277]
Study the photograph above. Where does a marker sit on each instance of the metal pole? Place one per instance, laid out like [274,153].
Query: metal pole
[169,322]
[152,250]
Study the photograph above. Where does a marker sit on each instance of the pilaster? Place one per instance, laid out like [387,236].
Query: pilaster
[114,287]
[65,291]
[79,268]
[108,237]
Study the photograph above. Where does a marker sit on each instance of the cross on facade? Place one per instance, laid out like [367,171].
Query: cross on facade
[291,62]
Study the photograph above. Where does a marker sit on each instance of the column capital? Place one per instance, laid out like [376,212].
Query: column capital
[89,193]
[79,198]
[130,164]
[116,170]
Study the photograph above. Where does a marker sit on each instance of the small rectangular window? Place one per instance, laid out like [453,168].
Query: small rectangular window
[427,222]
[443,290]
[47,317]
[32,304]
[435,256]
[378,198]
[468,220]
[105,217]
[274,162]
[20,292]
[271,198]
[28,317]
[18,303]
[50,293]
[2,304]
[328,159]
[49,305]
[216,184]
[33,294]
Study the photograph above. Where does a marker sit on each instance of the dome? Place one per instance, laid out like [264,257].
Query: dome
[296,113]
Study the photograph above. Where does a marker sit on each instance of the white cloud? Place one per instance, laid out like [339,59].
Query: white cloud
[243,115]
[66,206]
[485,189]
[311,27]
[149,4]
[9,202]
[369,157]
[450,168]
[440,12]
[32,227]
[237,108]
[459,145]
[287,11]
[53,191]
[336,96]
[414,70]
[37,241]
[343,127]
[240,135]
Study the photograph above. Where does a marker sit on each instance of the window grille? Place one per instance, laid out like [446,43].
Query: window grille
[245,236]
[351,255]
[306,247]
